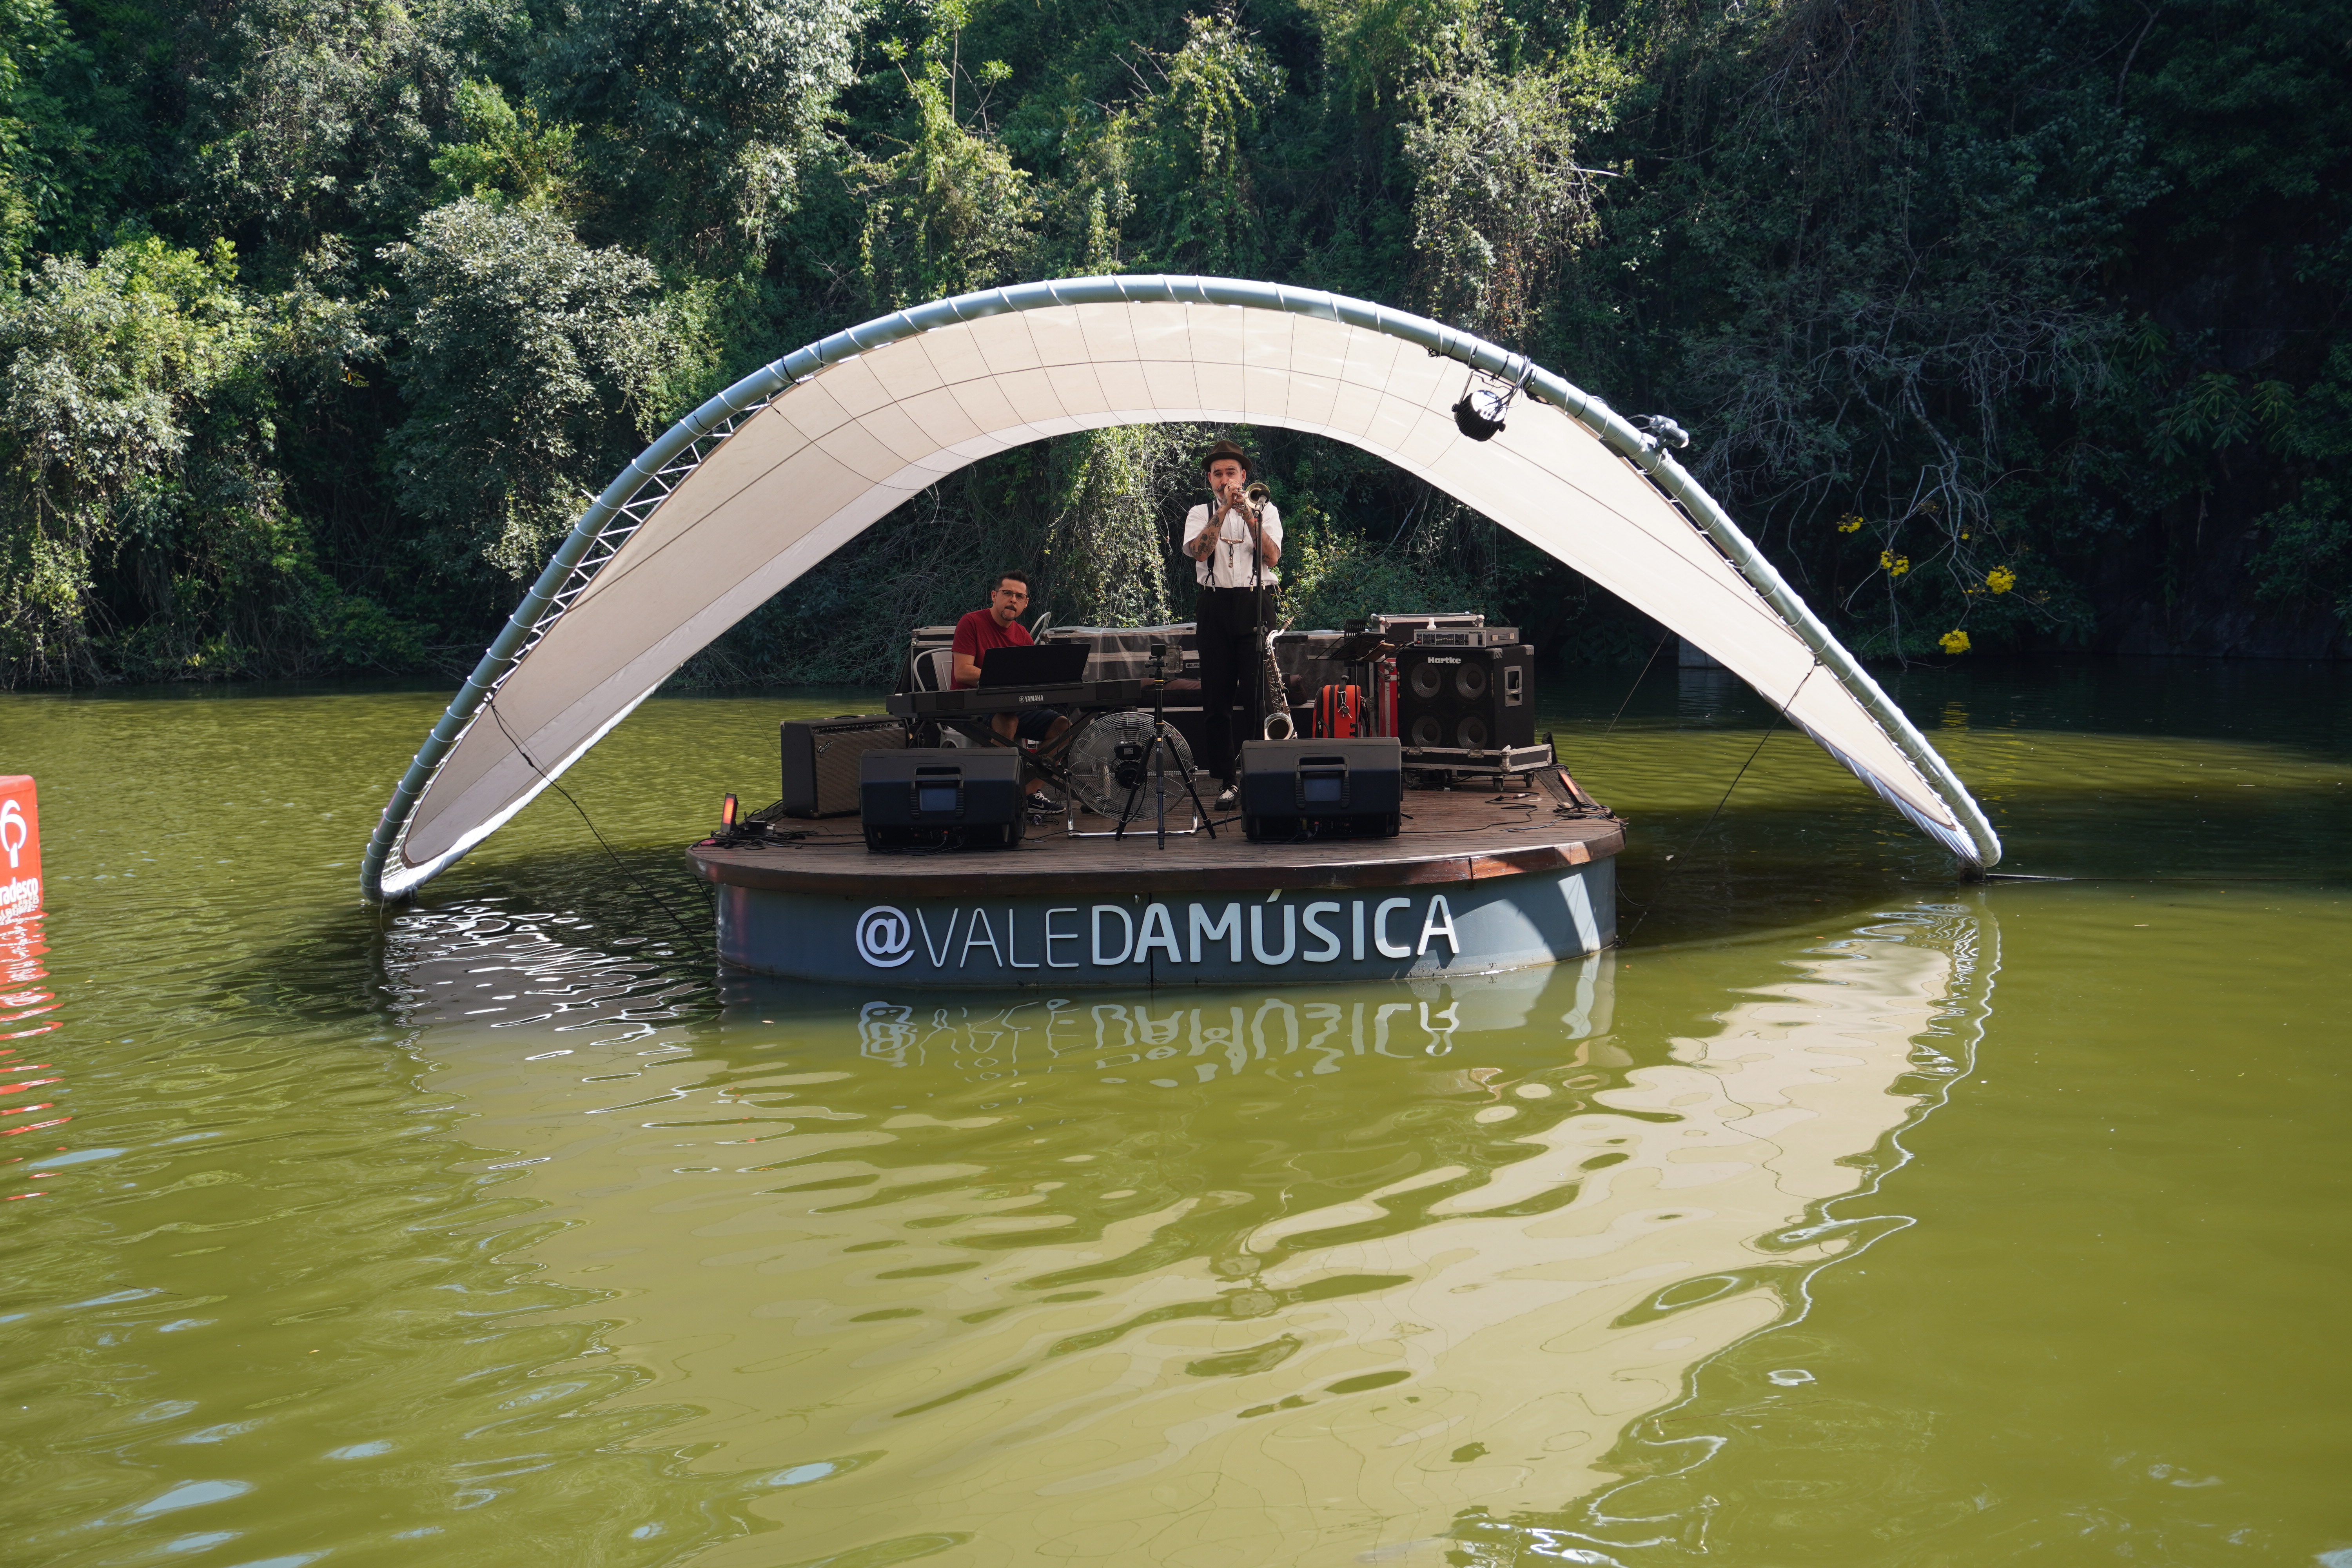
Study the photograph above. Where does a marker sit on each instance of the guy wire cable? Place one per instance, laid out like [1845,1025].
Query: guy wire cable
[691,934]
[1687,848]
[1777,713]
[1637,682]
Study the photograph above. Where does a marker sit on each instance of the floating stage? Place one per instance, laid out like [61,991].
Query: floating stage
[770,478]
[1474,883]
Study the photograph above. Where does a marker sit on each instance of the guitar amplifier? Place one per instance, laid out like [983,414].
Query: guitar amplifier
[821,759]
[1322,789]
[946,797]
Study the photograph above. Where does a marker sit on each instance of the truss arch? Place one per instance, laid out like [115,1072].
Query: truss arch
[771,476]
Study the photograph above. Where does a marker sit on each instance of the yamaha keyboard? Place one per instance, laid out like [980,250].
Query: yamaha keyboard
[982,699]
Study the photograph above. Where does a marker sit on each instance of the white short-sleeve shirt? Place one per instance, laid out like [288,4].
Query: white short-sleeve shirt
[1228,566]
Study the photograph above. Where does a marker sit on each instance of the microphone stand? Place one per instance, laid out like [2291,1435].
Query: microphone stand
[1262,653]
[1261,643]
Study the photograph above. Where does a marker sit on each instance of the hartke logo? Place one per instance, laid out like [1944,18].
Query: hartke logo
[886,937]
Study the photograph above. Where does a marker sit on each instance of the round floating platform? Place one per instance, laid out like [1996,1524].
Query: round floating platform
[1475,884]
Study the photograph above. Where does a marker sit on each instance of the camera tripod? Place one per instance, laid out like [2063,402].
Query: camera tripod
[1133,762]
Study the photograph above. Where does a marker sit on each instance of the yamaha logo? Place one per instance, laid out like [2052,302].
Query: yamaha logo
[886,937]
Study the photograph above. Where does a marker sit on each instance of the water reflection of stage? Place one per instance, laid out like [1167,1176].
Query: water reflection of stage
[1243,1279]
[1162,1043]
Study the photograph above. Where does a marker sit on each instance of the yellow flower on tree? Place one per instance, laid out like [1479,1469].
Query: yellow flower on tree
[1895,565]
[2001,579]
[1850,523]
[1953,641]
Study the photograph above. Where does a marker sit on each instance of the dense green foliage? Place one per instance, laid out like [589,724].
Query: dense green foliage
[2004,325]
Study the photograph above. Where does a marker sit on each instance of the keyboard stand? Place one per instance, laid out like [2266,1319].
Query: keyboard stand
[966,718]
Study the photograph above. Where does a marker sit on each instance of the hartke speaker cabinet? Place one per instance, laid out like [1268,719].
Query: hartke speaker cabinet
[821,759]
[1473,698]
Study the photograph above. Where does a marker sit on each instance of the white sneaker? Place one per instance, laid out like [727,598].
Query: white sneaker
[1230,799]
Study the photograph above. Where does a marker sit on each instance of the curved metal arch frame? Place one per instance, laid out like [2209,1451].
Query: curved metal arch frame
[641,488]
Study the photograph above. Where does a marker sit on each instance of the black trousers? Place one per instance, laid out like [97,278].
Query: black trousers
[1228,638]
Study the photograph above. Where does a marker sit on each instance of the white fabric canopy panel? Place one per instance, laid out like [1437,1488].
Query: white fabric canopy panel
[772,477]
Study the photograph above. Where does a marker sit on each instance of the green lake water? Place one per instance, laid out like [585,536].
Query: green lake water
[1842,1216]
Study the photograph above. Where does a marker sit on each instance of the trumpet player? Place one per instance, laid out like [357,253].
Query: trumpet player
[1234,543]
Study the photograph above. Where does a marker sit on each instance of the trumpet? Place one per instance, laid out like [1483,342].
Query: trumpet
[1250,503]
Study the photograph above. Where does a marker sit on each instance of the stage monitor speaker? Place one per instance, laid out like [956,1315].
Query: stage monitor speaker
[1469,699]
[1321,789]
[952,797]
[821,759]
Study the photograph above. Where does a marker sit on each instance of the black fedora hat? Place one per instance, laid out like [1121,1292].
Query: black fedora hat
[1227,450]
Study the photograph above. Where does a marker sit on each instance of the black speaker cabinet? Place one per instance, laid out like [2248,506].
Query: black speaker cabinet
[1322,789]
[1466,698]
[948,798]
[821,759]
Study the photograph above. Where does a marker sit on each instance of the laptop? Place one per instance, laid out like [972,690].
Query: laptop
[1041,664]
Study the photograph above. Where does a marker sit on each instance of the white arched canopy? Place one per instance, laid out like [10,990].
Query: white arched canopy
[782,470]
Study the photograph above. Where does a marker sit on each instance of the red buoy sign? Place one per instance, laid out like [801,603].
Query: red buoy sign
[20,846]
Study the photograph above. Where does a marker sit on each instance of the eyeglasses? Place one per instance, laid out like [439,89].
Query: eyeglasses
[1013,594]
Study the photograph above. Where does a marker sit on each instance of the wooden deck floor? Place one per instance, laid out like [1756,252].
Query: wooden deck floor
[1449,836]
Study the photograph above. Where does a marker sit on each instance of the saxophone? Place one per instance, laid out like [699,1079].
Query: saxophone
[1279,725]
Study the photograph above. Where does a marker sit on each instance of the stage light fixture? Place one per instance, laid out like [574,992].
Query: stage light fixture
[1479,415]
[1480,412]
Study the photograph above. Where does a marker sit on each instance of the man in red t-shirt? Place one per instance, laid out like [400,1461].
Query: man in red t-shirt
[999,626]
